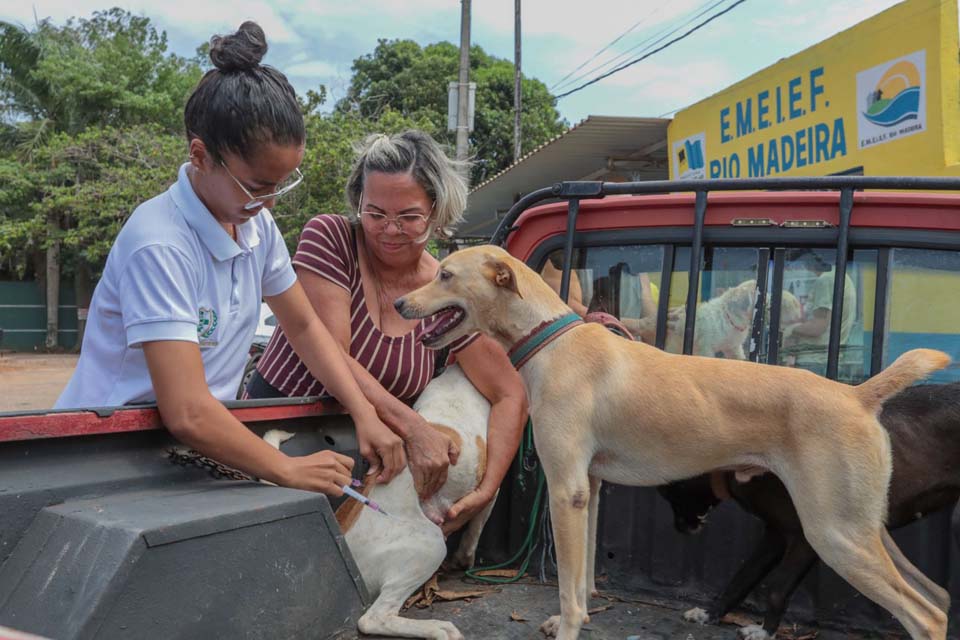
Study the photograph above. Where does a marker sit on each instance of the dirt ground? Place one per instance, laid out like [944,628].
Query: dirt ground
[30,381]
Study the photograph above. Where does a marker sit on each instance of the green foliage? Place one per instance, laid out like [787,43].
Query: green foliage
[90,182]
[110,70]
[412,80]
[91,126]
[92,121]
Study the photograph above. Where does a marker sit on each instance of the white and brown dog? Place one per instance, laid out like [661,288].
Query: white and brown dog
[604,408]
[397,553]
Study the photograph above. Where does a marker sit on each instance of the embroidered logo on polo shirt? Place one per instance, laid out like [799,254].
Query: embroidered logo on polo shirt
[206,325]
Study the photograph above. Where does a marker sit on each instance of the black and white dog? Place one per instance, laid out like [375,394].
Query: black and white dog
[924,426]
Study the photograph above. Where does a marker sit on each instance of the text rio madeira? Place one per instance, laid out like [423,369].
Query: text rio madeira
[819,142]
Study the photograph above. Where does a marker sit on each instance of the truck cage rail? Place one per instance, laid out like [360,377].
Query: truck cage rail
[575,191]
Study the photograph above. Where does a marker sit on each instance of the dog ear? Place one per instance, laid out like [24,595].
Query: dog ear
[500,274]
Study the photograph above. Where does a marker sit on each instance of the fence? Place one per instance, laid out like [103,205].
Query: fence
[23,315]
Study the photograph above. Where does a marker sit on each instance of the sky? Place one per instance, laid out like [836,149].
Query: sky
[315,41]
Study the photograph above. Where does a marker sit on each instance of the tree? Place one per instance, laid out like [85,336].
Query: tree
[412,80]
[91,125]
[111,71]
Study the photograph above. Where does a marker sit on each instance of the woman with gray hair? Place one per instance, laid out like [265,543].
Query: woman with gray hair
[402,191]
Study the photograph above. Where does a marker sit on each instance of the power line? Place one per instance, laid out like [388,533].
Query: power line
[646,43]
[607,46]
[657,50]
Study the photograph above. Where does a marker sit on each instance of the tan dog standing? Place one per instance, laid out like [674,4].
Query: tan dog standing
[605,408]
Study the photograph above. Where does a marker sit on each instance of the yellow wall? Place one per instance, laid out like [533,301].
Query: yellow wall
[806,115]
[923,301]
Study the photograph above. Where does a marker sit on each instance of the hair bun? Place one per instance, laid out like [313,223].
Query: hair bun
[240,51]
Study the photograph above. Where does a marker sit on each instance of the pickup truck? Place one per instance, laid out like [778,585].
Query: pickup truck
[108,529]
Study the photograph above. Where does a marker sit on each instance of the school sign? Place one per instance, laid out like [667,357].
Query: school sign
[882,98]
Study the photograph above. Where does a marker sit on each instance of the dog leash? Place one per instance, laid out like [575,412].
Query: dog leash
[528,546]
[544,334]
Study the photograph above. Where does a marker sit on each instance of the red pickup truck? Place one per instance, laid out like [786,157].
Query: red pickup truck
[103,534]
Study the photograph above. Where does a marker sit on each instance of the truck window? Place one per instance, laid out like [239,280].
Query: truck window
[725,301]
[922,305]
[804,332]
[622,280]
[580,279]
[625,281]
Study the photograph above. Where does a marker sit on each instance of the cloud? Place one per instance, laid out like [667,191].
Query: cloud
[814,23]
[316,41]
[298,56]
[650,89]
[572,51]
[595,27]
[311,69]
[197,20]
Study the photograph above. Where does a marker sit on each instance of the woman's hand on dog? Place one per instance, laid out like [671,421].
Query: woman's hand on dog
[325,471]
[463,511]
[381,447]
[430,453]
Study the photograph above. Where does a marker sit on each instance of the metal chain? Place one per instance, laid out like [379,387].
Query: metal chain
[216,469]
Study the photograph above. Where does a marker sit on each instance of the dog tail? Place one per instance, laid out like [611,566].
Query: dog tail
[905,370]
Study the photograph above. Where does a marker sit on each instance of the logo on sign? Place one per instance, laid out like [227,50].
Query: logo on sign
[689,158]
[893,100]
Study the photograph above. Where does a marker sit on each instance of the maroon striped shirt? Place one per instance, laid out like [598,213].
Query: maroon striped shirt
[401,364]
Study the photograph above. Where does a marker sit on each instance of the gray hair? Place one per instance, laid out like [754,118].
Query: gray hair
[416,153]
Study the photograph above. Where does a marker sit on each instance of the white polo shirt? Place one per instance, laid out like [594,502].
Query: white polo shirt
[174,273]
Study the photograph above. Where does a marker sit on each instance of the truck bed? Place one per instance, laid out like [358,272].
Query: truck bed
[515,612]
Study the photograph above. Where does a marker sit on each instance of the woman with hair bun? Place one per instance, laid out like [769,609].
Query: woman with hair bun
[173,316]
[402,191]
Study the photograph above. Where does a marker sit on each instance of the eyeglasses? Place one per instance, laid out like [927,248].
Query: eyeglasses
[257,201]
[412,223]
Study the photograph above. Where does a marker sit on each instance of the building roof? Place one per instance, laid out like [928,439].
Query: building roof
[597,148]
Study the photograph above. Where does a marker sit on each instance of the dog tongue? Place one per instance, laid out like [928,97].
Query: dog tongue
[439,320]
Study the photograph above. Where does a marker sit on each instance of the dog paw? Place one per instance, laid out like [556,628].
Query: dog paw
[551,626]
[752,632]
[697,615]
[449,632]
[461,560]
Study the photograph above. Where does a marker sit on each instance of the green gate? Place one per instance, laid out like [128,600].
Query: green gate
[23,315]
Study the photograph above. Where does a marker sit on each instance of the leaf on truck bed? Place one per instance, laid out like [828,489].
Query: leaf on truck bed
[431,592]
[516,617]
[424,595]
[448,595]
[498,573]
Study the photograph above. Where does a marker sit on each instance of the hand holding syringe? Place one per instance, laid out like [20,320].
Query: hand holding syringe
[356,495]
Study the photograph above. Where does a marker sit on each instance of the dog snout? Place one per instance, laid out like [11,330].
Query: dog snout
[399,304]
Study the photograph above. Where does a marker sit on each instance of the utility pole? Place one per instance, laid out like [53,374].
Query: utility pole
[463,126]
[516,81]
